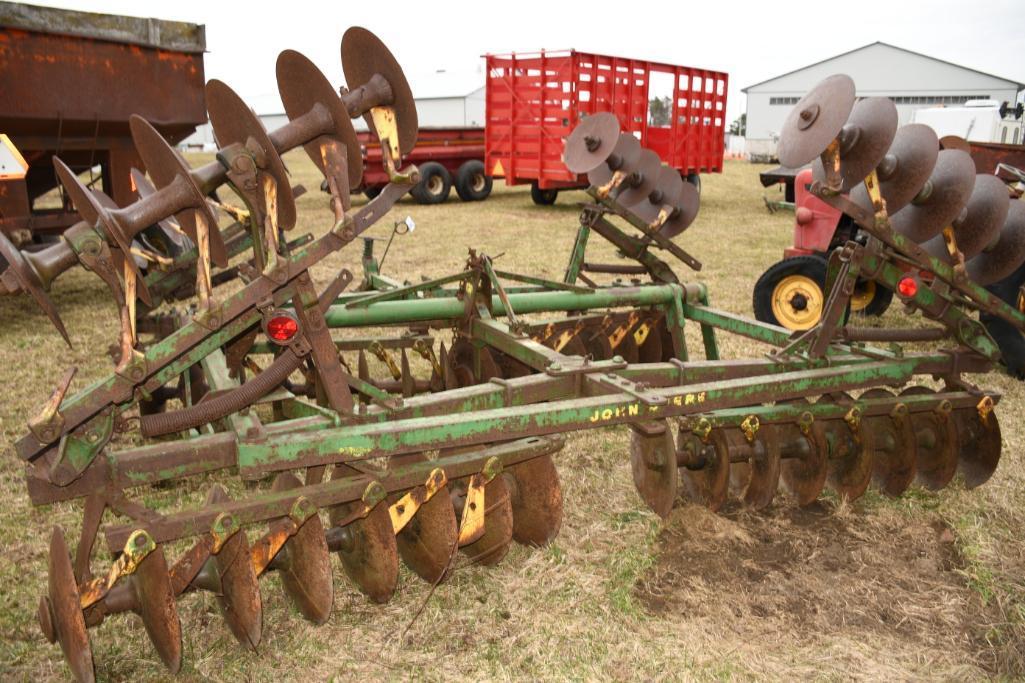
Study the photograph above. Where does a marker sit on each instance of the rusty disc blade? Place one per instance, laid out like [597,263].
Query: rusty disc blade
[645,175]
[489,369]
[82,199]
[979,444]
[302,87]
[805,459]
[756,480]
[237,589]
[709,485]
[239,598]
[427,543]
[686,206]
[1001,259]
[893,446]
[536,497]
[597,344]
[850,464]
[29,282]
[815,121]
[950,186]
[461,358]
[492,546]
[94,207]
[955,142]
[305,564]
[164,165]
[144,188]
[980,224]
[574,347]
[155,600]
[369,553]
[65,604]
[119,256]
[627,348]
[235,123]
[904,169]
[937,443]
[363,55]
[511,367]
[625,155]
[627,151]
[870,129]
[668,350]
[653,463]
[591,142]
[650,348]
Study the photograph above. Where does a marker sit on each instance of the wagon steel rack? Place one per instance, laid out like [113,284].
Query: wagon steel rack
[417,467]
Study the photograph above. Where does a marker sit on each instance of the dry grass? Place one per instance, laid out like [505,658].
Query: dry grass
[929,586]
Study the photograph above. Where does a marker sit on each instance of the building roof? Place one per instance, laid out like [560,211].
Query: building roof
[1019,86]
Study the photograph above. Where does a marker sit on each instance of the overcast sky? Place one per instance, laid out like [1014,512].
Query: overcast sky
[751,41]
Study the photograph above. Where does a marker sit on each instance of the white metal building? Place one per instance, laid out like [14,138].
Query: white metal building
[912,80]
[445,100]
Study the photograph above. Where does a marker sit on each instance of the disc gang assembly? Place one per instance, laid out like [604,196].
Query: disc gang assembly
[453,449]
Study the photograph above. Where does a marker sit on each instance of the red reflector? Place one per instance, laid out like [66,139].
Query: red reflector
[281,328]
[907,287]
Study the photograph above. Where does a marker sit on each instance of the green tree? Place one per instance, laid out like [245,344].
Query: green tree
[739,127]
[660,110]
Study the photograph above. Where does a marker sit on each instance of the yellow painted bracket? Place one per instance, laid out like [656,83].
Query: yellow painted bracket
[388,132]
[12,165]
[471,525]
[137,547]
[403,510]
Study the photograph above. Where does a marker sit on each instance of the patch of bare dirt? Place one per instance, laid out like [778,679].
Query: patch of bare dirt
[803,575]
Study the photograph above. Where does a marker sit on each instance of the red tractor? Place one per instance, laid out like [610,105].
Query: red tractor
[791,292]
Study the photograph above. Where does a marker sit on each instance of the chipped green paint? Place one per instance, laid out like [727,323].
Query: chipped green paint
[553,417]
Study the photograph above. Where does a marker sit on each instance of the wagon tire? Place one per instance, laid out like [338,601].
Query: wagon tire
[543,197]
[371,192]
[695,180]
[434,186]
[472,184]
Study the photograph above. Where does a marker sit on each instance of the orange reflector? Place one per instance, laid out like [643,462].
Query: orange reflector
[281,328]
[907,287]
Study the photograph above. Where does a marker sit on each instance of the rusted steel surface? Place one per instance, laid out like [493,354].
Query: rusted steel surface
[69,81]
[987,155]
[449,443]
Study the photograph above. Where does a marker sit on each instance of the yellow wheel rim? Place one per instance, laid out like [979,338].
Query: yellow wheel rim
[864,292]
[797,302]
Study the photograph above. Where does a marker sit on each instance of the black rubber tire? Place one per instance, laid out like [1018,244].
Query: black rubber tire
[434,186]
[543,197]
[879,303]
[812,267]
[472,184]
[1007,337]
[372,192]
[695,180]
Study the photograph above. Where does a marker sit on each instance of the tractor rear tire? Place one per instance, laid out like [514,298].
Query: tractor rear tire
[542,197]
[472,184]
[1007,337]
[791,293]
[870,298]
[434,186]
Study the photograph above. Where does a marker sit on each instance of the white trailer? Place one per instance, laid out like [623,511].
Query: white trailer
[976,121]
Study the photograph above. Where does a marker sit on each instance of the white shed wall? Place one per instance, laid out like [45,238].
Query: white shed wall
[877,69]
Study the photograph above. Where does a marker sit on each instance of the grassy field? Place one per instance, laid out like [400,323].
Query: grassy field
[930,586]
